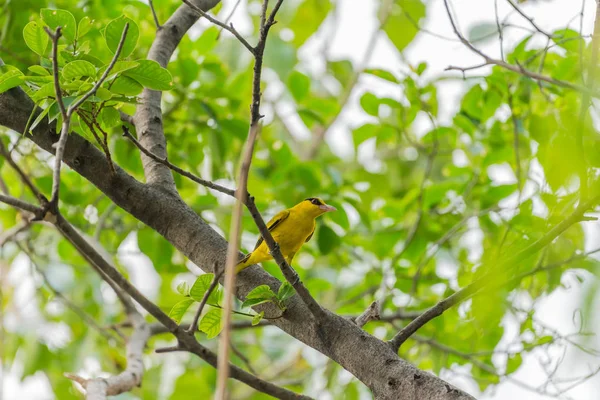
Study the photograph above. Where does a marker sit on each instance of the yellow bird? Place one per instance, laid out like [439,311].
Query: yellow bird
[290,228]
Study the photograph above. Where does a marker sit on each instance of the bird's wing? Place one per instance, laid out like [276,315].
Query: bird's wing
[310,236]
[274,222]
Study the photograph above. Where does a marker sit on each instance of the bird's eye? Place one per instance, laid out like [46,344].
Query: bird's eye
[315,202]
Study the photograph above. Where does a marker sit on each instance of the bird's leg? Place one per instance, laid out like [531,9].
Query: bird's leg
[289,258]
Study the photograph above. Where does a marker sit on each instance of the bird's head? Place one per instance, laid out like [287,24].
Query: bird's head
[315,206]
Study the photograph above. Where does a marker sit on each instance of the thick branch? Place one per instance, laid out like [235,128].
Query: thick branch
[336,337]
[101,388]
[148,117]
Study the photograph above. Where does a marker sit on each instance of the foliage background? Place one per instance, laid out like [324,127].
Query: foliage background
[406,155]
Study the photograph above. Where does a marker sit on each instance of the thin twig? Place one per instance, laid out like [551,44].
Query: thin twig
[500,32]
[232,259]
[370,314]
[72,306]
[22,175]
[156,23]
[228,28]
[213,284]
[67,113]
[124,289]
[175,168]
[20,204]
[241,194]
[528,18]
[235,7]
[518,69]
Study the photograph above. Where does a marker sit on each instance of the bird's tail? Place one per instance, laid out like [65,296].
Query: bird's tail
[244,263]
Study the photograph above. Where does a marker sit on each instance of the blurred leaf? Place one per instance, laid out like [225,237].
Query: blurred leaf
[482,32]
[402,24]
[309,16]
[299,85]
[327,239]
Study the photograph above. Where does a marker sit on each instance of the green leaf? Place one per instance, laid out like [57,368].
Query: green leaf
[38,69]
[328,240]
[370,103]
[257,318]
[151,75]
[35,37]
[285,292]
[400,26]
[77,69]
[103,94]
[114,31]
[126,86]
[109,117]
[482,32]
[46,91]
[309,16]
[200,287]
[10,79]
[383,74]
[85,24]
[183,288]
[179,309]
[254,302]
[261,292]
[211,323]
[514,362]
[41,116]
[299,85]
[62,18]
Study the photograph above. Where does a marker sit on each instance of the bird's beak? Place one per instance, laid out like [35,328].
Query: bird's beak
[327,208]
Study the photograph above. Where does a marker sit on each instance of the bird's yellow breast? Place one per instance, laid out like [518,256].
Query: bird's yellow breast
[293,231]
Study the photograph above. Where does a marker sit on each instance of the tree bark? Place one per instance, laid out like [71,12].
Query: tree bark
[371,360]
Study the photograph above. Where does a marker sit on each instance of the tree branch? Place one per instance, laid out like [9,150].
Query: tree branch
[156,23]
[518,69]
[213,284]
[175,168]
[229,28]
[131,377]
[148,117]
[67,113]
